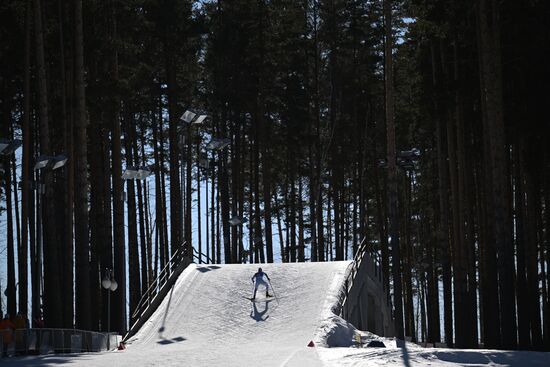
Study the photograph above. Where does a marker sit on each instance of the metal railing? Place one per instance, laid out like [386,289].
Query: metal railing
[201,256]
[159,282]
[360,256]
[47,340]
[152,297]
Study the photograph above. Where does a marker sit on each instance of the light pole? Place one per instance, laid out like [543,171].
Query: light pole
[190,117]
[132,274]
[110,284]
[215,144]
[42,163]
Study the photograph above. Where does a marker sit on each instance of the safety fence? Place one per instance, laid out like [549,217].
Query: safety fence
[47,341]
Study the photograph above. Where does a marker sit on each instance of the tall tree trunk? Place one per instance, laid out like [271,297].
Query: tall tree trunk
[443,226]
[410,329]
[118,301]
[531,251]
[176,236]
[392,172]
[5,161]
[188,220]
[133,251]
[82,240]
[144,255]
[52,289]
[524,330]
[488,24]
[26,199]
[65,228]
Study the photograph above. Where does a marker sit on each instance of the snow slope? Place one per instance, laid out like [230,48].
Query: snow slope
[206,321]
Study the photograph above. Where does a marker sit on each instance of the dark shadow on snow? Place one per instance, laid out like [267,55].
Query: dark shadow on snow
[204,269]
[512,359]
[162,328]
[403,345]
[171,341]
[259,315]
[47,360]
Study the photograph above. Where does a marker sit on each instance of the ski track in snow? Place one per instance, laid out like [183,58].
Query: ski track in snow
[206,321]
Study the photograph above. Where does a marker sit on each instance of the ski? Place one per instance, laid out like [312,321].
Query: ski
[258,299]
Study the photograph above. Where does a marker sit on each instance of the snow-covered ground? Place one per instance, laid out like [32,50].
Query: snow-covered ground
[206,320]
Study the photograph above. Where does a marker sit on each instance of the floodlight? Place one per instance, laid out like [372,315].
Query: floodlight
[7,147]
[143,173]
[409,154]
[42,162]
[193,117]
[200,119]
[236,220]
[129,173]
[188,116]
[58,161]
[218,144]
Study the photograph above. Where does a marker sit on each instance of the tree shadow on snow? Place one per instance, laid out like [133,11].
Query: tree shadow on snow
[259,315]
[204,269]
[403,345]
[512,359]
[46,360]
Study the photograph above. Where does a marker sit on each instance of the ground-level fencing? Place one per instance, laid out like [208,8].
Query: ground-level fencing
[46,341]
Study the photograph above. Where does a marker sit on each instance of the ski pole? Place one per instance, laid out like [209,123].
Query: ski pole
[273,290]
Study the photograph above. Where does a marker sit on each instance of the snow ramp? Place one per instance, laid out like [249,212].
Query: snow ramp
[206,320]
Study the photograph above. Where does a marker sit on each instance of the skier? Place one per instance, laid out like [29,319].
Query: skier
[259,277]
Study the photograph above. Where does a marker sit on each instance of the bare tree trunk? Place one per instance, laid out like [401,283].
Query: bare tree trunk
[52,292]
[118,301]
[524,330]
[531,251]
[26,176]
[6,162]
[392,173]
[443,227]
[491,82]
[188,194]
[82,240]
[407,266]
[133,252]
[176,236]
[144,255]
[65,227]
[301,243]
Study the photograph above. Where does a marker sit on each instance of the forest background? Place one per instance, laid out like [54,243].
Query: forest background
[415,126]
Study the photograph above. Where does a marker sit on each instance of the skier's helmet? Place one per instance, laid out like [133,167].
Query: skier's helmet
[259,269]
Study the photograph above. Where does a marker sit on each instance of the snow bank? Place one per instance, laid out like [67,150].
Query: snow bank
[334,331]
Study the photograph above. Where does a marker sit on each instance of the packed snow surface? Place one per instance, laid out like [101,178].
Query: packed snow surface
[207,320]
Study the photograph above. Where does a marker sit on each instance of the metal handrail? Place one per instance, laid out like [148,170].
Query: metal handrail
[199,255]
[159,281]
